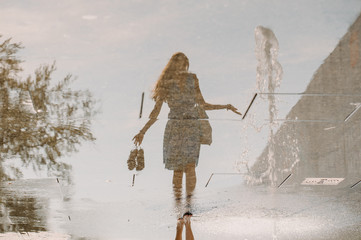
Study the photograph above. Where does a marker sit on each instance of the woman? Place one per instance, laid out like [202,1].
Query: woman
[182,138]
[184,221]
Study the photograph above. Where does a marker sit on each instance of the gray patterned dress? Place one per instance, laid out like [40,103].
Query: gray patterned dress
[181,144]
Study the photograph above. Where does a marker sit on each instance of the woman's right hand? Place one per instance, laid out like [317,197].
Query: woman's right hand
[233,109]
[138,138]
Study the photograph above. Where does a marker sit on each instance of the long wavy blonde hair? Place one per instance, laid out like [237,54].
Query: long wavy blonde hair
[176,69]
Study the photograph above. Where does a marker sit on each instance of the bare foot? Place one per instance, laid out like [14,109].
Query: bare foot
[180,223]
[187,218]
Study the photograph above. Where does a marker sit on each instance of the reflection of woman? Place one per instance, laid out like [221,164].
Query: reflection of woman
[180,90]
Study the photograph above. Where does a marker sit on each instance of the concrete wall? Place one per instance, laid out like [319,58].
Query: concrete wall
[325,144]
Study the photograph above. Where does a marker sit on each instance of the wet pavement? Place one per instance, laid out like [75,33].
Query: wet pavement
[226,209]
[255,157]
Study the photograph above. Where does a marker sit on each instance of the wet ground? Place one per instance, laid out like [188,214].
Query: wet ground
[225,209]
[249,182]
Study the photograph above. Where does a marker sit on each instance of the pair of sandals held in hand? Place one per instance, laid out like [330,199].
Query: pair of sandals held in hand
[136,159]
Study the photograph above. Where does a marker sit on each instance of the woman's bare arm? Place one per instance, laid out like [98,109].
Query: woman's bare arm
[208,106]
[152,119]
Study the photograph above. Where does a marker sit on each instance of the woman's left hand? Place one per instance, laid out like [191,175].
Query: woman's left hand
[138,138]
[233,109]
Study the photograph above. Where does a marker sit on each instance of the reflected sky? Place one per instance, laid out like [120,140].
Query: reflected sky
[121,48]
[118,49]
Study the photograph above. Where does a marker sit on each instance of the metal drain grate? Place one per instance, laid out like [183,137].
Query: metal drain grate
[322,181]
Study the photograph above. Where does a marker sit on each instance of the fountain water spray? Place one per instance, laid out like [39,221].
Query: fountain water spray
[269,76]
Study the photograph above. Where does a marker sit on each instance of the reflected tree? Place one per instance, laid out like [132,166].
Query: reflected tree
[39,121]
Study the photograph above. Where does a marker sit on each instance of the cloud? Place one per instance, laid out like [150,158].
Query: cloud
[89,17]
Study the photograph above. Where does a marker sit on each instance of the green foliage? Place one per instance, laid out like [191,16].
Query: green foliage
[40,121]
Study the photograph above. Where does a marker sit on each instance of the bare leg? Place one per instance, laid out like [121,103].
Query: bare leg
[178,235]
[187,223]
[177,188]
[177,178]
[191,178]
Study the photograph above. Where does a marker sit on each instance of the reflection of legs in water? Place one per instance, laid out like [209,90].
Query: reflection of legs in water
[186,220]
[191,180]
[177,187]
[190,184]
